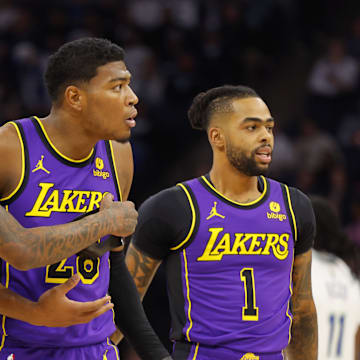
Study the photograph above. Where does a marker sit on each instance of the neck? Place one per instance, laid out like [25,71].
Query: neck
[233,184]
[67,135]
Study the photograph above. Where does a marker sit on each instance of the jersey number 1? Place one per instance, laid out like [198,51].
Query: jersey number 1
[249,312]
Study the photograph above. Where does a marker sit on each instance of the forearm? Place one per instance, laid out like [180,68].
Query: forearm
[304,331]
[18,307]
[34,247]
[142,269]
[129,313]
[304,335]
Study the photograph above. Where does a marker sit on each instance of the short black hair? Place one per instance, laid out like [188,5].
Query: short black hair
[214,100]
[330,236]
[77,61]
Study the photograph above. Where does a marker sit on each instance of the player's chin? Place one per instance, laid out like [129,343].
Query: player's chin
[123,137]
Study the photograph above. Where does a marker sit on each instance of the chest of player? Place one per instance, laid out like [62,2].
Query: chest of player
[230,235]
[56,189]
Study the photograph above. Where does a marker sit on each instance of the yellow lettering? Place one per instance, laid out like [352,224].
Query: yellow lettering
[35,211]
[206,256]
[67,201]
[240,243]
[224,244]
[282,254]
[272,240]
[52,203]
[81,201]
[256,243]
[96,197]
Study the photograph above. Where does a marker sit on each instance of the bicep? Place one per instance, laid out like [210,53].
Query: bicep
[141,267]
[124,166]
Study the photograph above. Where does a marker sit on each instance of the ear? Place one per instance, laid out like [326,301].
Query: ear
[74,97]
[216,137]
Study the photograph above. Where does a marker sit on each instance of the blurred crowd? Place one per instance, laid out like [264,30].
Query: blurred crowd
[300,57]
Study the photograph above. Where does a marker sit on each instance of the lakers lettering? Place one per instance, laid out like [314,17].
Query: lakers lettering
[50,200]
[222,243]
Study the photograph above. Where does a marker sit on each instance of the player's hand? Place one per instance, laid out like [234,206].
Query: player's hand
[122,215]
[55,309]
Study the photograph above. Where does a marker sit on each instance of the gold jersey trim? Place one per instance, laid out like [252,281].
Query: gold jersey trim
[292,264]
[233,201]
[22,164]
[56,150]
[193,221]
[292,212]
[291,292]
[114,347]
[115,170]
[188,296]
[196,351]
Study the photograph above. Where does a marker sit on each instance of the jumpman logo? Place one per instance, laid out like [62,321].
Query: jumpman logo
[40,165]
[214,212]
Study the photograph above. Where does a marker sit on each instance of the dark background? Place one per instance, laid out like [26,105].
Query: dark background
[301,56]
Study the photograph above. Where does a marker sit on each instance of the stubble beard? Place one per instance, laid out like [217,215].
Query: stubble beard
[245,164]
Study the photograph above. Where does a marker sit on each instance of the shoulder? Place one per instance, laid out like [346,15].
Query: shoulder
[300,201]
[164,222]
[167,201]
[10,148]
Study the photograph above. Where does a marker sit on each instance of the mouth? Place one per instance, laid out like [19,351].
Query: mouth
[263,153]
[131,119]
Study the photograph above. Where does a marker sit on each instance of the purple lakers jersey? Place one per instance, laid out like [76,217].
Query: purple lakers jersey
[55,189]
[236,270]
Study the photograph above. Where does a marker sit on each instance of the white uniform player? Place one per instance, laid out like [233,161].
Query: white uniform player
[336,294]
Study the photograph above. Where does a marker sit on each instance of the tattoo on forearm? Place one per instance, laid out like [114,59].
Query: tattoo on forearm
[141,267]
[48,245]
[304,328]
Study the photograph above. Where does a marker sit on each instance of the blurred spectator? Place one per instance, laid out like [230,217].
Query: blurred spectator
[319,161]
[333,83]
[283,163]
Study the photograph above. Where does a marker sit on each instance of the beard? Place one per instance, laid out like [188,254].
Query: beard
[244,163]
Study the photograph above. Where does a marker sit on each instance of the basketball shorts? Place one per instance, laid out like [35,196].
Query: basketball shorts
[101,351]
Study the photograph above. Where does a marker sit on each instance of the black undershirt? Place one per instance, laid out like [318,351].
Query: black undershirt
[165,219]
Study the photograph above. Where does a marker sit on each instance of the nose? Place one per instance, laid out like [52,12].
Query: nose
[265,135]
[132,99]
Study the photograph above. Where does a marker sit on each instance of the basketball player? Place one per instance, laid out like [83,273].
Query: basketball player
[336,289]
[62,166]
[236,245]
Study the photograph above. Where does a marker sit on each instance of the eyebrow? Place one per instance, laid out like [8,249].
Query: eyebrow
[249,119]
[122,78]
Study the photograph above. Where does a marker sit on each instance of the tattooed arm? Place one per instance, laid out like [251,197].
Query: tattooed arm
[304,337]
[142,268]
[26,248]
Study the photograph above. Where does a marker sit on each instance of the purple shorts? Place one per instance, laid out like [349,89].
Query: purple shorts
[101,351]
[194,351]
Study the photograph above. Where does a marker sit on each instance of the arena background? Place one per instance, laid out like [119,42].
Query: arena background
[301,56]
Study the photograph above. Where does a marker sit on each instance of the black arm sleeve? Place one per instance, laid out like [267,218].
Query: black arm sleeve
[305,220]
[164,222]
[129,313]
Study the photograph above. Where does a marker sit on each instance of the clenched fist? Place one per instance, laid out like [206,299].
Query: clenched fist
[121,216]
